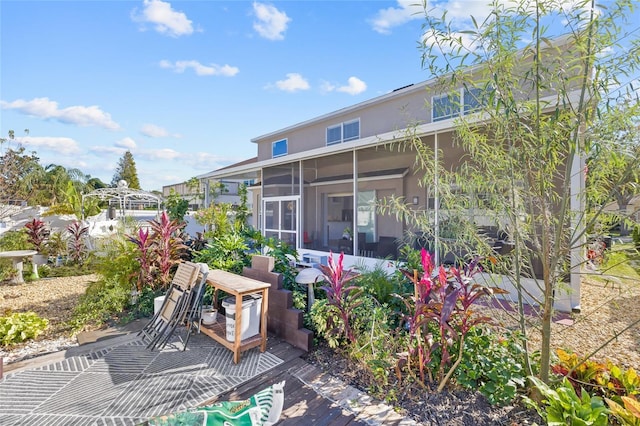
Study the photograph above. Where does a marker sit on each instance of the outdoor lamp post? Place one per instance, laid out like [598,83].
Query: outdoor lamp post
[308,277]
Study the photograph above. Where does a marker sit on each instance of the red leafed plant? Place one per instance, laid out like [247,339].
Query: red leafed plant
[340,295]
[36,233]
[160,249]
[168,245]
[77,246]
[444,300]
[146,258]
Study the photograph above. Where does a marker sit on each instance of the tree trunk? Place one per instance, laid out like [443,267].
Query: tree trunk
[547,316]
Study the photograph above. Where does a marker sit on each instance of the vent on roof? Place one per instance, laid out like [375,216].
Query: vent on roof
[403,87]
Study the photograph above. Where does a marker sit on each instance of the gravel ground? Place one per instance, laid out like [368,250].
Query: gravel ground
[608,305]
[51,298]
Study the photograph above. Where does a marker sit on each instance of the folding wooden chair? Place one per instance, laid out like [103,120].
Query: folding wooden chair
[194,304]
[160,328]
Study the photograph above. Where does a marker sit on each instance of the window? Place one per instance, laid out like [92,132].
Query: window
[334,134]
[474,99]
[449,106]
[279,148]
[351,130]
[446,106]
[343,132]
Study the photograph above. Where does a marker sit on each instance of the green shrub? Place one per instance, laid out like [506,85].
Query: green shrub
[635,235]
[227,252]
[7,271]
[325,320]
[21,326]
[14,240]
[282,255]
[67,270]
[145,305]
[563,406]
[492,365]
[299,299]
[605,379]
[377,283]
[120,262]
[104,300]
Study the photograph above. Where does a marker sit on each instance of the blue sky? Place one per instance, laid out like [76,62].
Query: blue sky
[185,85]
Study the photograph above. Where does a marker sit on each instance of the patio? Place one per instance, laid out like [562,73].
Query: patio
[109,382]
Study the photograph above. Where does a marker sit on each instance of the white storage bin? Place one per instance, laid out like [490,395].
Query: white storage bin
[251,307]
[157,304]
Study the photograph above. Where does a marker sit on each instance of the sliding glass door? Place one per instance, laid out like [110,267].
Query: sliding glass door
[280,219]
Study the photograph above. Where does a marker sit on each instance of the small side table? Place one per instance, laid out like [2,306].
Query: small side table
[17,257]
[238,286]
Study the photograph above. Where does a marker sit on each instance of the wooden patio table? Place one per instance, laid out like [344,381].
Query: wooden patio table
[238,286]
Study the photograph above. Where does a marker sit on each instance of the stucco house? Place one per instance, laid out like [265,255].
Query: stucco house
[316,181]
[228,192]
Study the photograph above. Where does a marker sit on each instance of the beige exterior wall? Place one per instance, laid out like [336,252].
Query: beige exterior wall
[379,116]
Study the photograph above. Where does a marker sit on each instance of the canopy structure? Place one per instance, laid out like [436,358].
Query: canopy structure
[126,197]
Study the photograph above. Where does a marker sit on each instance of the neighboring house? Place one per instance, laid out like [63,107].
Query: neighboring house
[632,210]
[195,200]
[198,199]
[317,180]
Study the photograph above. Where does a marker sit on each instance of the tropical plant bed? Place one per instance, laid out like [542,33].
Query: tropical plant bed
[608,306]
[425,406]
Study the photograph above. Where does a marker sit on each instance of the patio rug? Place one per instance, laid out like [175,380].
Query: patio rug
[126,384]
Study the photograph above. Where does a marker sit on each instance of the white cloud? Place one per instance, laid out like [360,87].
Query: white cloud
[60,145]
[101,149]
[200,69]
[78,115]
[293,83]
[166,20]
[153,131]
[327,87]
[204,161]
[355,86]
[464,40]
[126,143]
[391,17]
[460,11]
[271,23]
[160,154]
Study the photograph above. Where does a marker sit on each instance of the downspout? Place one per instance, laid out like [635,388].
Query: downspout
[354,230]
[207,188]
[577,205]
[300,212]
[436,206]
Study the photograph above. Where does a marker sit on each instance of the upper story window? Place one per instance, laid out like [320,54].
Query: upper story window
[473,99]
[343,132]
[334,134]
[279,148]
[351,130]
[449,106]
[446,106]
